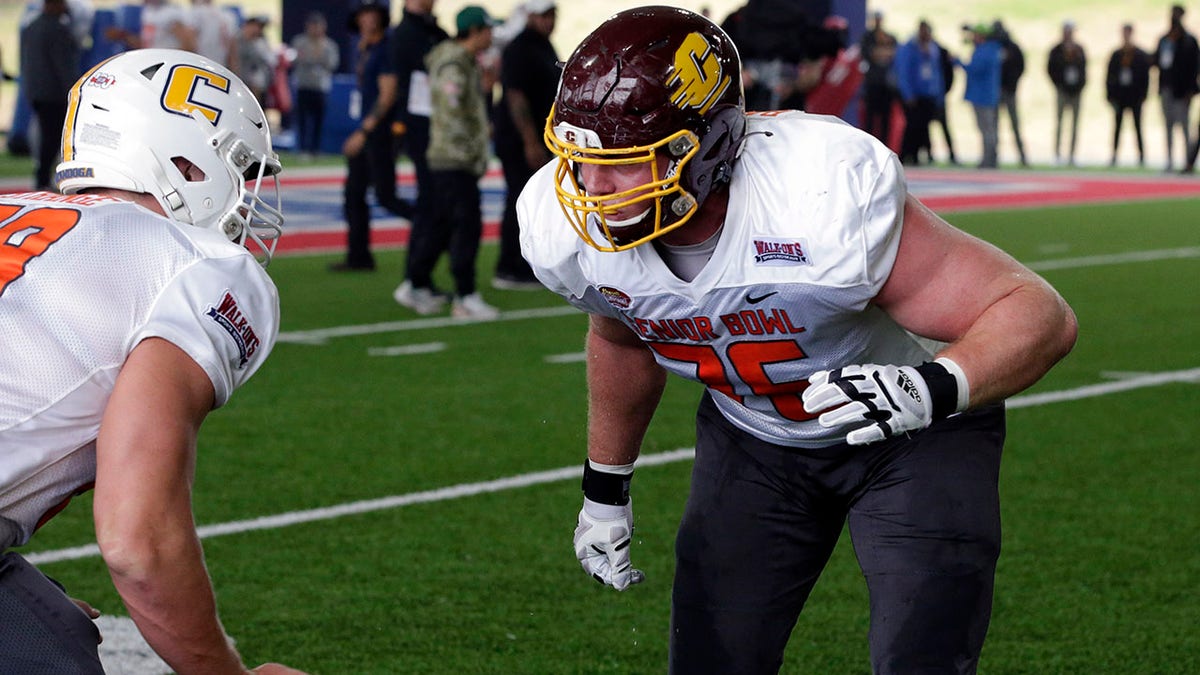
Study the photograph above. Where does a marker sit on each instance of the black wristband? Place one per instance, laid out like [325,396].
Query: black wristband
[943,388]
[606,488]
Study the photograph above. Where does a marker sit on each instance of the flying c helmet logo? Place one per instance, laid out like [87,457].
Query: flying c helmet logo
[696,77]
[183,87]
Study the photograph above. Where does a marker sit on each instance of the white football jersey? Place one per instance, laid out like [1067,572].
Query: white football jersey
[813,226]
[83,280]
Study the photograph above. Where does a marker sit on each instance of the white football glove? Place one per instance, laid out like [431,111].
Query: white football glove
[876,402]
[602,541]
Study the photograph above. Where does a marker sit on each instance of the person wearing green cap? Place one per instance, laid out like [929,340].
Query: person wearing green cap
[458,156]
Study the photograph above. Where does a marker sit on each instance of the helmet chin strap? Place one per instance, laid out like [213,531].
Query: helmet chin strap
[169,197]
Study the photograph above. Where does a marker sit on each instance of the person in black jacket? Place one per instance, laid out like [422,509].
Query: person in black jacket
[939,116]
[49,66]
[880,92]
[412,39]
[1012,67]
[1177,57]
[370,159]
[1127,84]
[1067,67]
[529,75]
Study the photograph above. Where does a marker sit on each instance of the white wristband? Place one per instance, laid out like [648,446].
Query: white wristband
[599,511]
[964,388]
[618,469]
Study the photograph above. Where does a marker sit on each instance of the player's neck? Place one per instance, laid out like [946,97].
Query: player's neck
[707,221]
[140,198]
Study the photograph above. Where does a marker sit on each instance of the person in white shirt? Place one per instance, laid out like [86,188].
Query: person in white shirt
[316,60]
[215,29]
[130,308]
[164,26]
[779,259]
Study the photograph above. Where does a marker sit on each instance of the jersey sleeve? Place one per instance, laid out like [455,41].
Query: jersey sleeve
[537,214]
[222,312]
[883,219]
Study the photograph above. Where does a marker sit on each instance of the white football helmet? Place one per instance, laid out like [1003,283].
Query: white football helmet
[132,116]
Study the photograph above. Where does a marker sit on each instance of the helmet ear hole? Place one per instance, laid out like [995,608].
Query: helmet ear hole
[188,169]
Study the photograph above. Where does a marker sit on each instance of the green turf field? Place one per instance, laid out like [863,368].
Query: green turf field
[1099,572]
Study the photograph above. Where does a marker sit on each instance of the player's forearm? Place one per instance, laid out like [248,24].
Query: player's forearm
[1014,342]
[624,388]
[162,580]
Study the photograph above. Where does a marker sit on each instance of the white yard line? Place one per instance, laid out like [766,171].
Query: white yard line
[1116,259]
[407,350]
[319,336]
[569,473]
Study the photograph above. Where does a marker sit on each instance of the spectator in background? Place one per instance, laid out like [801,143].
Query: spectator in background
[947,64]
[255,60]
[879,83]
[983,89]
[49,66]
[164,26]
[414,37]
[216,32]
[370,149]
[1127,85]
[777,39]
[82,15]
[316,60]
[1177,57]
[1067,67]
[826,80]
[919,79]
[1012,67]
[529,74]
[458,156]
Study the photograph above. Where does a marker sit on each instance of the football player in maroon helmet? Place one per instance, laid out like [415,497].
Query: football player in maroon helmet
[779,259]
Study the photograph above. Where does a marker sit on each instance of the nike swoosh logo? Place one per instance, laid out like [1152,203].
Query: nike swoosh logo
[257,125]
[754,301]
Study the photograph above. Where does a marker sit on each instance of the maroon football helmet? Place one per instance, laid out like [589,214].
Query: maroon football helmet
[654,85]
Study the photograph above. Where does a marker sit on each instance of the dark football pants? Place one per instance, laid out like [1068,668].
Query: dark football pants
[762,520]
[41,631]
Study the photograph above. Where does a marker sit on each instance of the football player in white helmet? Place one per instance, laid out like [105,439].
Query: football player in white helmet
[130,308]
[779,259]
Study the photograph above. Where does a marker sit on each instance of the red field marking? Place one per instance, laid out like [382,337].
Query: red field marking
[943,190]
[1053,190]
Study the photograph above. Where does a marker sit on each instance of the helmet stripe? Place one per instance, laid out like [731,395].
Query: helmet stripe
[73,98]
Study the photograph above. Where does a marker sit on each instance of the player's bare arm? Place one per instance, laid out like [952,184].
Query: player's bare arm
[145,460]
[624,388]
[1006,326]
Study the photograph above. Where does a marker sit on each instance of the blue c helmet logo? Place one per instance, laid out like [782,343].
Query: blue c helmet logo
[183,85]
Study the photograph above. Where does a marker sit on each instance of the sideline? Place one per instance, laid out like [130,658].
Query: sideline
[1191,376]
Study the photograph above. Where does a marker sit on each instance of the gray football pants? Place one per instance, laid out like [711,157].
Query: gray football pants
[41,631]
[762,520]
